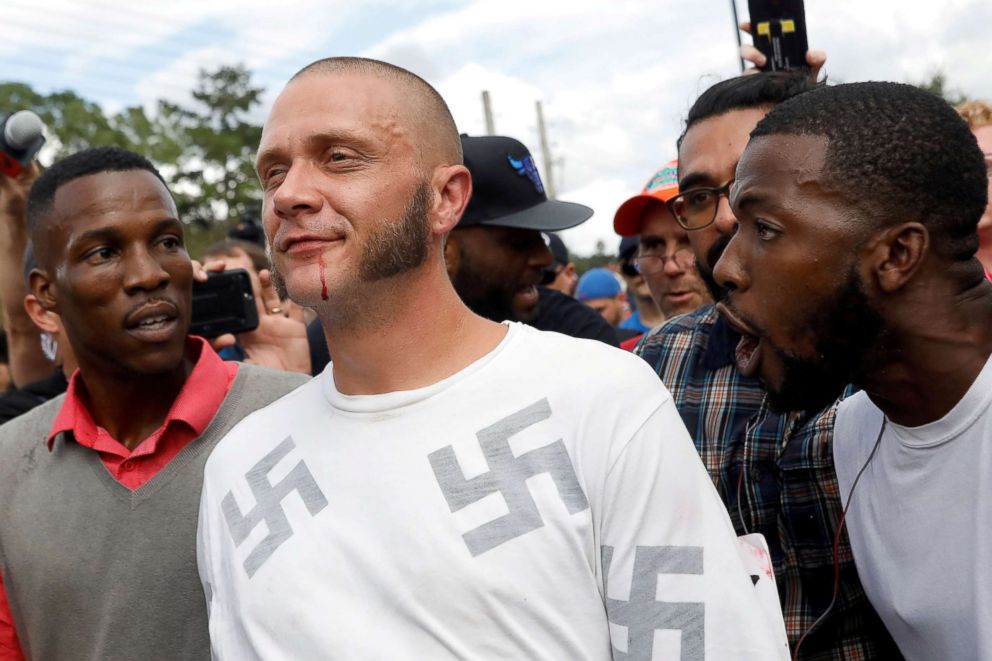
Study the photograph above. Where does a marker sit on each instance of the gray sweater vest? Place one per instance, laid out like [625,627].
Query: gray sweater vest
[94,570]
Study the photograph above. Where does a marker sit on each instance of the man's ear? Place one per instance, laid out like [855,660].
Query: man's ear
[43,289]
[896,253]
[46,320]
[453,188]
[452,254]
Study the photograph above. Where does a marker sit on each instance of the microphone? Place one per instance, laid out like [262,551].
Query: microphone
[21,136]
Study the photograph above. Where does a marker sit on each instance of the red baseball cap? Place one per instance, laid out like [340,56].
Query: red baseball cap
[662,187]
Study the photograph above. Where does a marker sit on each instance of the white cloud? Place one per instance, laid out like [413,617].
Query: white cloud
[615,78]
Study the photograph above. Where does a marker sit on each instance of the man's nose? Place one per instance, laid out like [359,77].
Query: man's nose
[297,193]
[143,272]
[730,272]
[725,221]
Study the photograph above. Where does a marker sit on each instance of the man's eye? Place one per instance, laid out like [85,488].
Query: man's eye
[171,243]
[99,255]
[699,198]
[763,230]
[273,175]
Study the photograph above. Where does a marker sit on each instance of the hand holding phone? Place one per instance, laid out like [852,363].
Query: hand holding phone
[778,29]
[225,303]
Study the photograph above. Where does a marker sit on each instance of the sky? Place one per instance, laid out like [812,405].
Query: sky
[615,78]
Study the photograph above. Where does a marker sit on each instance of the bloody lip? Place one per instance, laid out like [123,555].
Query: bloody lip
[748,352]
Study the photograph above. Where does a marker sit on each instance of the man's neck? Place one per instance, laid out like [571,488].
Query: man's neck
[131,408]
[417,334]
[931,361]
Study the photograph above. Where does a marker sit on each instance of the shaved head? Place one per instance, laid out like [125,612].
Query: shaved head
[426,111]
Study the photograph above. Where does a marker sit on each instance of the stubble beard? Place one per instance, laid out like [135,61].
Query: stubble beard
[392,250]
[850,332]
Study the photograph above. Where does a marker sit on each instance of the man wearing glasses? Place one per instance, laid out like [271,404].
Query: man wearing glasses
[773,469]
[664,257]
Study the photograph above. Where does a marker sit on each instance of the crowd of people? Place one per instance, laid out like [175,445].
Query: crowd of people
[759,434]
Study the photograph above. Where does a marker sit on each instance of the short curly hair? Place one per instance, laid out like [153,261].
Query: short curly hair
[81,164]
[896,152]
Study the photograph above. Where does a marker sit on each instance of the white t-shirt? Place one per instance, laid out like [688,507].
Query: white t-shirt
[920,522]
[505,512]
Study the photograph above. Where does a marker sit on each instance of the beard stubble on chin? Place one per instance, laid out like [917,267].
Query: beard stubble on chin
[392,249]
[848,331]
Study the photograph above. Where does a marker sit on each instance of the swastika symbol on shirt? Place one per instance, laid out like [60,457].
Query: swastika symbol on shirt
[642,615]
[507,475]
[268,506]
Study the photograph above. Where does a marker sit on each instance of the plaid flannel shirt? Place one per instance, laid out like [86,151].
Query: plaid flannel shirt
[775,474]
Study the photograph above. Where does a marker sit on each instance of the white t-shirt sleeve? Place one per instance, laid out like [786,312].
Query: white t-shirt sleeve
[672,577]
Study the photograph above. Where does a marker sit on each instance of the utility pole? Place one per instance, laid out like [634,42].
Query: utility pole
[487,110]
[549,184]
[737,31]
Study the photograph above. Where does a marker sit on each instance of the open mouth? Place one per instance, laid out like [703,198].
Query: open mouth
[153,322]
[747,354]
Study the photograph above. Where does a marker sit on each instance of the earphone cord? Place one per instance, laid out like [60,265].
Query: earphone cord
[840,529]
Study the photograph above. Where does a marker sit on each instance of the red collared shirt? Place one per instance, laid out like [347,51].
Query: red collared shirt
[194,408]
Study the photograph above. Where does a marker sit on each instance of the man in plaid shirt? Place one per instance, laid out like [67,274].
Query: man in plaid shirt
[773,470]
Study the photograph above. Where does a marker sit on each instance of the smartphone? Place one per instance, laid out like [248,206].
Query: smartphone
[225,303]
[778,29]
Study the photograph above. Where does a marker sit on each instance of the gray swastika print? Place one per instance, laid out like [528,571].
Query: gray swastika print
[642,615]
[507,475]
[268,508]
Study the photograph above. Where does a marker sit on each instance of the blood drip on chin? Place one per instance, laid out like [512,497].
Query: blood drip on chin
[323,280]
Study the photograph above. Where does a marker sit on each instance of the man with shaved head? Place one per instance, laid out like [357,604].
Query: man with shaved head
[449,487]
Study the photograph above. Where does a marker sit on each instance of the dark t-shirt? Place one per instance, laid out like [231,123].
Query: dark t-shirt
[20,401]
[565,315]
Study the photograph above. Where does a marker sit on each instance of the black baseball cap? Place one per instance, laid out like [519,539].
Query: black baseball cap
[507,190]
[559,253]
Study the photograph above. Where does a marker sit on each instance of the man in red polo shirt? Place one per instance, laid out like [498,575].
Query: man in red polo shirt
[101,487]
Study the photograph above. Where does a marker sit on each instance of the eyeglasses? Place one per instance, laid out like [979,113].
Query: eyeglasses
[696,208]
[652,262]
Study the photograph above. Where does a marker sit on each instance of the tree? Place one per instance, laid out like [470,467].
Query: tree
[205,151]
[216,164]
[937,84]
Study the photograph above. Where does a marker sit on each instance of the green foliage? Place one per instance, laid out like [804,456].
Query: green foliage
[205,152]
[597,259]
[937,84]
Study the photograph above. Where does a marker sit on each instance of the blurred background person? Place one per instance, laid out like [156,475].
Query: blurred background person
[664,258]
[600,290]
[28,363]
[53,343]
[561,275]
[496,255]
[644,311]
[978,114]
